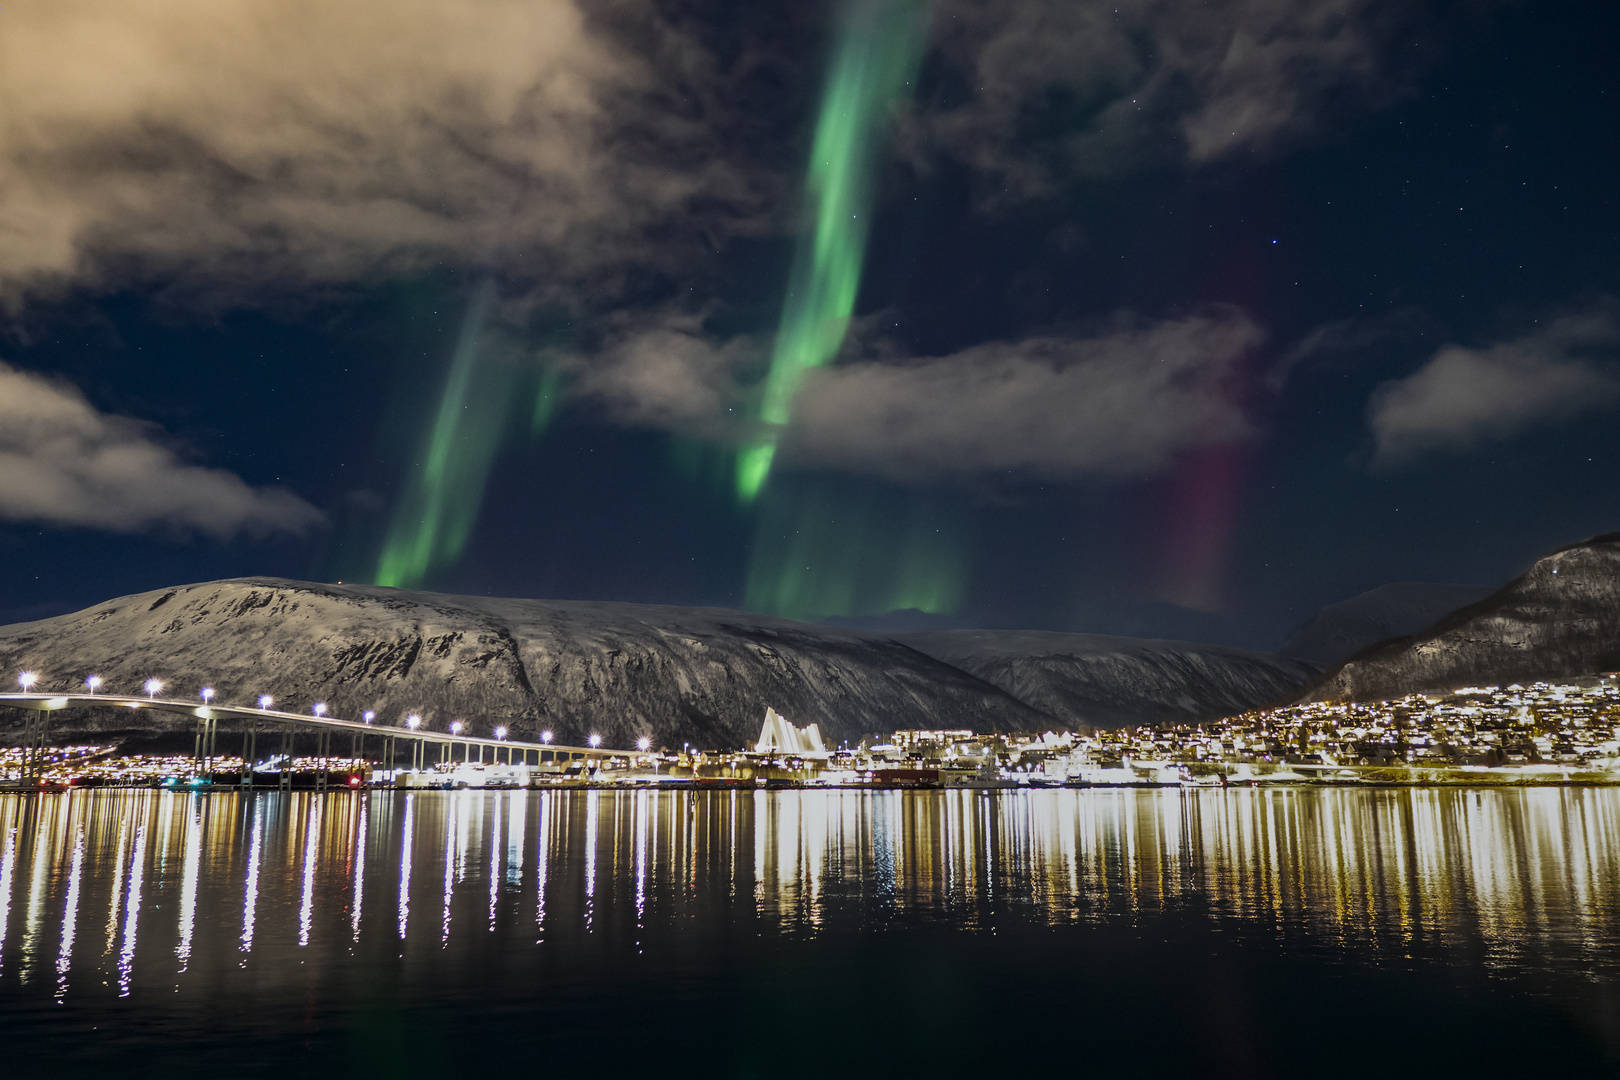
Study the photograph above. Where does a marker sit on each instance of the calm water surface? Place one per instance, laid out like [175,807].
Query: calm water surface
[1139,933]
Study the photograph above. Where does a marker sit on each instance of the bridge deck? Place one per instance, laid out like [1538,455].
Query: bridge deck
[47,702]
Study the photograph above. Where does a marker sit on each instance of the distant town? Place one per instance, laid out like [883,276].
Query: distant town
[1516,734]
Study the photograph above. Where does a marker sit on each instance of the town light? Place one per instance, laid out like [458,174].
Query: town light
[644,744]
[368,716]
[500,733]
[27,680]
[413,721]
[265,701]
[545,736]
[319,708]
[595,741]
[94,683]
[455,727]
[152,687]
[207,694]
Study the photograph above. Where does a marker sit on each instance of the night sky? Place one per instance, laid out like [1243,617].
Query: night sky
[1175,319]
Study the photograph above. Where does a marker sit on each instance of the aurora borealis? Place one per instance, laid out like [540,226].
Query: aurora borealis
[1173,319]
[879,43]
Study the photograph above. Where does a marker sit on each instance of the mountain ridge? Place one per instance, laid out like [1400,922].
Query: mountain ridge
[1558,619]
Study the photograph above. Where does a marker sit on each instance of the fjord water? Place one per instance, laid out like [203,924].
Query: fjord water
[1152,932]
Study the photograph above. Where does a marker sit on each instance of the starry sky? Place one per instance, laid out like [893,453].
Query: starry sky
[1178,318]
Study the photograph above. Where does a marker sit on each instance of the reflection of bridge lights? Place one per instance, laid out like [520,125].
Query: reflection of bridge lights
[265,701]
[413,721]
[319,708]
[644,744]
[207,694]
[94,683]
[545,736]
[152,687]
[595,740]
[500,733]
[27,680]
[455,727]
[368,716]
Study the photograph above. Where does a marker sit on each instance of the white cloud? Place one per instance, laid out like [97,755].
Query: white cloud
[1118,404]
[64,463]
[662,372]
[1462,396]
[229,145]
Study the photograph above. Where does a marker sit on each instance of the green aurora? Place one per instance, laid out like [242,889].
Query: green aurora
[822,546]
[879,46]
[445,489]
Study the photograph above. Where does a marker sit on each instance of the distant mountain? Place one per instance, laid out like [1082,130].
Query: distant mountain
[1113,681]
[1560,619]
[1393,610]
[696,675]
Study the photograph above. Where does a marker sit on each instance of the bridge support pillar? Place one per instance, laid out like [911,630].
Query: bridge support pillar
[204,746]
[285,779]
[36,727]
[323,752]
[250,750]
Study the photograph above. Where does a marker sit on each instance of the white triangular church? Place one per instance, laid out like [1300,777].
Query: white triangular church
[779,736]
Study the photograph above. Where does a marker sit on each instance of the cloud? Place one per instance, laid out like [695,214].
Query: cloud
[1054,88]
[230,146]
[1462,396]
[1119,404]
[661,371]
[64,463]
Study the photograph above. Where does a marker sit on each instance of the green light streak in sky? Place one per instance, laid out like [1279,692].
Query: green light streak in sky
[879,44]
[445,490]
[823,548]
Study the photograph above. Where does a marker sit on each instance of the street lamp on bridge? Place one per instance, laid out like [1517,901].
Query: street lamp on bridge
[319,709]
[455,727]
[595,741]
[152,687]
[368,716]
[94,683]
[207,694]
[413,721]
[27,680]
[545,736]
[265,701]
[500,733]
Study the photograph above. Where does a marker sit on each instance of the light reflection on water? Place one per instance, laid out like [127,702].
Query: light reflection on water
[1514,881]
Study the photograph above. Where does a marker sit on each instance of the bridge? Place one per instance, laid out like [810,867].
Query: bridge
[253,720]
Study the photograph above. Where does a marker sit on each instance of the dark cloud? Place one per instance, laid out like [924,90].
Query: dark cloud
[64,463]
[1052,89]
[1462,397]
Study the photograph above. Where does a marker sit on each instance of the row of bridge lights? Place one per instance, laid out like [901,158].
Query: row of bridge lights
[27,679]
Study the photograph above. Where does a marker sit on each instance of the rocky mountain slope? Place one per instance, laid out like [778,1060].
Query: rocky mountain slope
[678,675]
[1561,618]
[1394,610]
[1112,681]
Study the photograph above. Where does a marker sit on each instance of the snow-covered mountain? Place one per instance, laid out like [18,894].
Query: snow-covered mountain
[1112,681]
[1394,610]
[1561,618]
[695,675]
